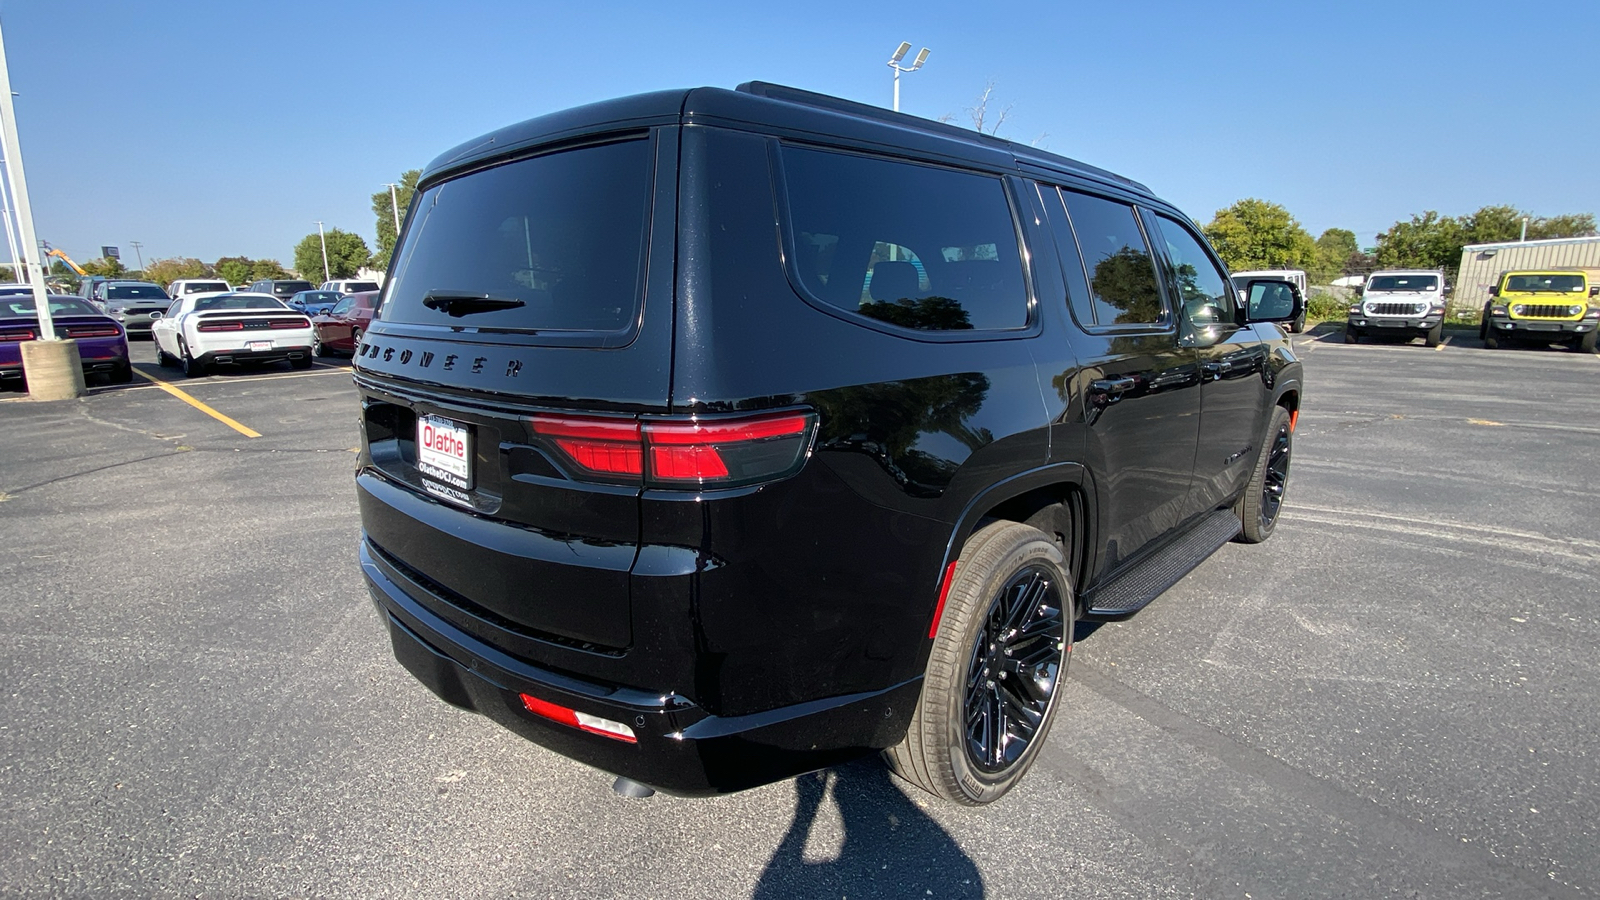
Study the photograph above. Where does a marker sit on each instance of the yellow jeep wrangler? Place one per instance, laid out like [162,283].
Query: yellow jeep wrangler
[1543,307]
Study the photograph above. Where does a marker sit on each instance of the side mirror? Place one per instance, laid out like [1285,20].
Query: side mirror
[1595,291]
[154,315]
[1273,301]
[1494,290]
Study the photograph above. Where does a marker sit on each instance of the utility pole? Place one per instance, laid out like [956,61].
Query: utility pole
[325,276]
[51,365]
[11,235]
[1524,229]
[136,253]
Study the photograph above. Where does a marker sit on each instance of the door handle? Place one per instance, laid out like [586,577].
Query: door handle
[1216,369]
[1110,390]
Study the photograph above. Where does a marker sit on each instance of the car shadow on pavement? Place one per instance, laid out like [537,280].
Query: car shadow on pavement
[891,848]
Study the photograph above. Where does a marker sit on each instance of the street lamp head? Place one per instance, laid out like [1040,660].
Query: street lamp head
[900,53]
[921,58]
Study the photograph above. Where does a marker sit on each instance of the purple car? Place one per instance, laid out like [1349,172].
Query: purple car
[102,344]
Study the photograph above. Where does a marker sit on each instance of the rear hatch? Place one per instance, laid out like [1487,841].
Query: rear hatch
[522,291]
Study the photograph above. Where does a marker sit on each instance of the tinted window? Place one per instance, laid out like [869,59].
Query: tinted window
[1121,273]
[561,234]
[1403,283]
[287,288]
[343,306]
[22,307]
[356,287]
[916,246]
[135,292]
[1202,291]
[237,301]
[1544,283]
[200,287]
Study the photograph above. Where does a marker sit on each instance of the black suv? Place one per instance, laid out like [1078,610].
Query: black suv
[712,437]
[280,288]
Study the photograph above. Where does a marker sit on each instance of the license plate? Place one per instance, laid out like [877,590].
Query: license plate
[1382,324]
[258,345]
[1542,326]
[444,451]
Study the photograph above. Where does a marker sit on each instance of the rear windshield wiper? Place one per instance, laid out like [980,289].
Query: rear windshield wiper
[458,303]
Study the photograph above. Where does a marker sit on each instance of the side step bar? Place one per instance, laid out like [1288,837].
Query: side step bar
[1135,588]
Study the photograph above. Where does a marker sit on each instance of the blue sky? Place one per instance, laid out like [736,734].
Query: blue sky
[222,128]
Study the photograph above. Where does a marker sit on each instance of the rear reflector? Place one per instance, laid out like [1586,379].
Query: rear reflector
[221,326]
[944,594]
[16,335]
[686,452]
[578,720]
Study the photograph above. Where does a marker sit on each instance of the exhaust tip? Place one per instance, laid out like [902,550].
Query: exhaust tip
[633,790]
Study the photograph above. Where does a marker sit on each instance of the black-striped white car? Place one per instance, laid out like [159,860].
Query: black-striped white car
[200,331]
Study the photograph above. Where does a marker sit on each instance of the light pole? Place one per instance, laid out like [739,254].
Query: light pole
[394,205]
[51,365]
[894,63]
[137,254]
[324,238]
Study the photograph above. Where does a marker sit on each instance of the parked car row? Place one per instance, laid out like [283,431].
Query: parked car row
[1538,307]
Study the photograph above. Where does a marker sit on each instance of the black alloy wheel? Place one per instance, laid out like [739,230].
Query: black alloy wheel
[1000,650]
[317,347]
[1258,507]
[1013,669]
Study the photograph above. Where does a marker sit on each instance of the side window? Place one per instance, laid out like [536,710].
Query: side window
[913,245]
[174,308]
[342,307]
[1202,291]
[1122,274]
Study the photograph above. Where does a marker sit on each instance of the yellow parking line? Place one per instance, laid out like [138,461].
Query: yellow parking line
[247,432]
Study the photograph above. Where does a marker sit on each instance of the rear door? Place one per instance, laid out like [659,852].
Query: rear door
[1139,389]
[521,290]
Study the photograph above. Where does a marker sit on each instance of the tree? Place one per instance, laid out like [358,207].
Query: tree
[383,208]
[347,254]
[166,271]
[980,111]
[110,268]
[1255,234]
[1333,250]
[241,270]
[1432,241]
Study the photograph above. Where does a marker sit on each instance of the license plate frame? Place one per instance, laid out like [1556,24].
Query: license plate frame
[444,451]
[257,346]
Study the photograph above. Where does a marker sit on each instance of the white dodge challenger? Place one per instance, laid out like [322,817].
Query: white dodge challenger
[223,329]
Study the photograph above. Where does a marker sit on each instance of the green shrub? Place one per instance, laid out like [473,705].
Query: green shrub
[1324,306]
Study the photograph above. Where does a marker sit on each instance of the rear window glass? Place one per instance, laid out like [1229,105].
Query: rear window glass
[201,287]
[357,287]
[915,246]
[237,301]
[284,288]
[22,307]
[135,292]
[552,243]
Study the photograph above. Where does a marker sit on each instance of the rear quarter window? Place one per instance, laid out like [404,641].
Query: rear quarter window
[912,245]
[562,234]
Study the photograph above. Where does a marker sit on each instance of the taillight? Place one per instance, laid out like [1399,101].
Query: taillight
[15,334]
[220,326]
[89,331]
[680,453]
[289,323]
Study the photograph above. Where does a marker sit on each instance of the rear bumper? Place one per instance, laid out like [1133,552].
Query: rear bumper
[680,749]
[234,357]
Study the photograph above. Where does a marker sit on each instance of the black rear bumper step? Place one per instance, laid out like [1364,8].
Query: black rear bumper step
[1135,588]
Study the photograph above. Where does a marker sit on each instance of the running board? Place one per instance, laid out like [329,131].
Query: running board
[1134,589]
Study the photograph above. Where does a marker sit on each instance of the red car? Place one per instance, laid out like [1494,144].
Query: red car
[340,328]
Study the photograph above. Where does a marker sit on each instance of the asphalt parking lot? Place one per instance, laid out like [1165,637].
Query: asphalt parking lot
[1396,696]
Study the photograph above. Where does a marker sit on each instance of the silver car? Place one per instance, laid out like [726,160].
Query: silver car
[134,303]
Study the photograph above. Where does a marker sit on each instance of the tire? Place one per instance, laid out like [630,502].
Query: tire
[1483,323]
[1010,607]
[122,374]
[1490,341]
[1261,503]
[355,342]
[164,359]
[1298,326]
[317,347]
[192,368]
[1585,343]
[1433,335]
[1351,335]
